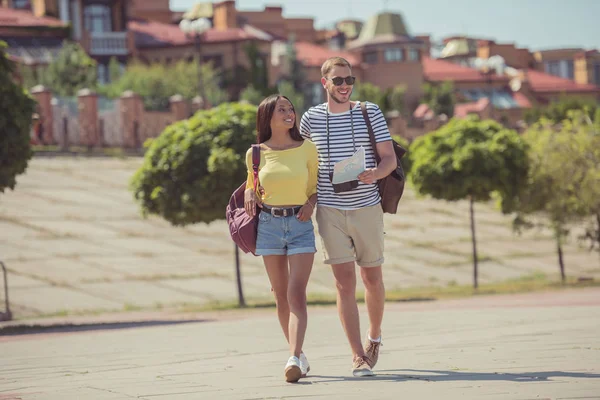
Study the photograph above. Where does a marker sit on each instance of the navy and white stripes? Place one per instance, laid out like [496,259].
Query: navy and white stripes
[313,127]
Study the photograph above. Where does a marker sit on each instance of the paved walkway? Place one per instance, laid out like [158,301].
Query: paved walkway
[534,346]
[74,242]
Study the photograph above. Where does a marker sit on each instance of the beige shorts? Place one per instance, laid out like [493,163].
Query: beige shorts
[352,235]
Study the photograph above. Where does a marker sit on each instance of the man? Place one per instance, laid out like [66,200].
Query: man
[350,221]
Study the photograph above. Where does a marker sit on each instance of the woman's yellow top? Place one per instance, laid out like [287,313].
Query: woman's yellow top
[288,177]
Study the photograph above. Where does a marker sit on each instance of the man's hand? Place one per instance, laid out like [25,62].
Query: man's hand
[369,176]
[251,200]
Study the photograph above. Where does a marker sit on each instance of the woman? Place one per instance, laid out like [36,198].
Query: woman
[288,194]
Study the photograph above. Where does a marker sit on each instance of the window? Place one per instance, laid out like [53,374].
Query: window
[597,74]
[570,70]
[371,57]
[552,67]
[393,55]
[102,74]
[22,4]
[97,18]
[413,54]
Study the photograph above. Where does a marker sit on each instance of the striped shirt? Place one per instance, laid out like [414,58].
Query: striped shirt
[313,127]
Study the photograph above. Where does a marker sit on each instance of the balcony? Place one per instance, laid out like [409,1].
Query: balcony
[108,44]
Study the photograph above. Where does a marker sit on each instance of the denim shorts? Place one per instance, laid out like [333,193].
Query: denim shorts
[278,236]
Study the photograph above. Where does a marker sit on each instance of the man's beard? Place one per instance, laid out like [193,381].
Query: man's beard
[332,91]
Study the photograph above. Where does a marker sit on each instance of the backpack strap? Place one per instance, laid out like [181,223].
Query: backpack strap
[255,163]
[363,107]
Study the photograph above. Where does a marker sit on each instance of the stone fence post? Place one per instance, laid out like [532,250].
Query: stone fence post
[87,102]
[132,109]
[43,96]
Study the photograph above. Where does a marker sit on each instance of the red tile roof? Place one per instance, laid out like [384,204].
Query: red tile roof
[10,17]
[157,34]
[521,100]
[462,110]
[313,55]
[437,70]
[543,82]
[423,112]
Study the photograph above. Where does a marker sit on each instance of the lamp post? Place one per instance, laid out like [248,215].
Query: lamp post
[196,28]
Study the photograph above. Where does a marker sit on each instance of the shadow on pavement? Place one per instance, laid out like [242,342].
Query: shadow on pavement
[68,328]
[403,375]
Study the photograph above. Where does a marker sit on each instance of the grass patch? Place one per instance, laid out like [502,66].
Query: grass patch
[116,152]
[526,284]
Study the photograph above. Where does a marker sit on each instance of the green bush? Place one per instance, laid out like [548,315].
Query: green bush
[16,108]
[156,83]
[193,167]
[71,71]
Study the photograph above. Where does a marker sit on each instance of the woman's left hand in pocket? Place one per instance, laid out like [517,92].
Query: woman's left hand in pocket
[305,213]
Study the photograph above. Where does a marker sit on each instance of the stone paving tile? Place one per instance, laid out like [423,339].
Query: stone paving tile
[80,212]
[51,299]
[509,347]
[142,293]
[62,270]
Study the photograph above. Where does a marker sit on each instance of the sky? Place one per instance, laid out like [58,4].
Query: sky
[535,24]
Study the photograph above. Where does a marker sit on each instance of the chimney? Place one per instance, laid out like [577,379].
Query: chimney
[224,15]
[426,43]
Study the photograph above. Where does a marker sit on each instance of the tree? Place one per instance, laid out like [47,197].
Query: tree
[396,98]
[190,170]
[258,74]
[440,98]
[156,83]
[368,92]
[114,70]
[470,159]
[558,111]
[16,109]
[296,74]
[287,89]
[564,177]
[251,95]
[71,71]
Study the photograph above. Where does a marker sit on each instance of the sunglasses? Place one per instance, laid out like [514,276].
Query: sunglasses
[338,80]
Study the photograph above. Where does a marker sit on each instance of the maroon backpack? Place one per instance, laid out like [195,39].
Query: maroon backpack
[243,227]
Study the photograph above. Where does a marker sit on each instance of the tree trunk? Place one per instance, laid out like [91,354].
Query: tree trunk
[472,211]
[238,273]
[561,262]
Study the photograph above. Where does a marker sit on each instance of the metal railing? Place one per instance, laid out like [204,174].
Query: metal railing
[108,43]
[7,315]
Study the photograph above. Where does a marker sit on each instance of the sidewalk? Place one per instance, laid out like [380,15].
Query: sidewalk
[533,346]
[74,243]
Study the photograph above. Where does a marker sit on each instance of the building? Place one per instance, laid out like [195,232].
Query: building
[511,78]
[100,27]
[32,40]
[390,55]
[582,66]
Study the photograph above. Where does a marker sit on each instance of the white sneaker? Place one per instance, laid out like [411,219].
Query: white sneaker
[293,373]
[304,365]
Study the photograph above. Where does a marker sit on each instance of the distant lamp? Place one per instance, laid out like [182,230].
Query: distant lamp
[196,28]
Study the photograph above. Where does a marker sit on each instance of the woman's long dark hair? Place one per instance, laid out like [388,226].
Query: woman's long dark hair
[265,114]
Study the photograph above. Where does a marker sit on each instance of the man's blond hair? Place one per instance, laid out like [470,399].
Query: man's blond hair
[334,62]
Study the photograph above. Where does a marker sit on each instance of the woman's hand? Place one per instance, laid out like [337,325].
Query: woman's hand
[251,200]
[305,213]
